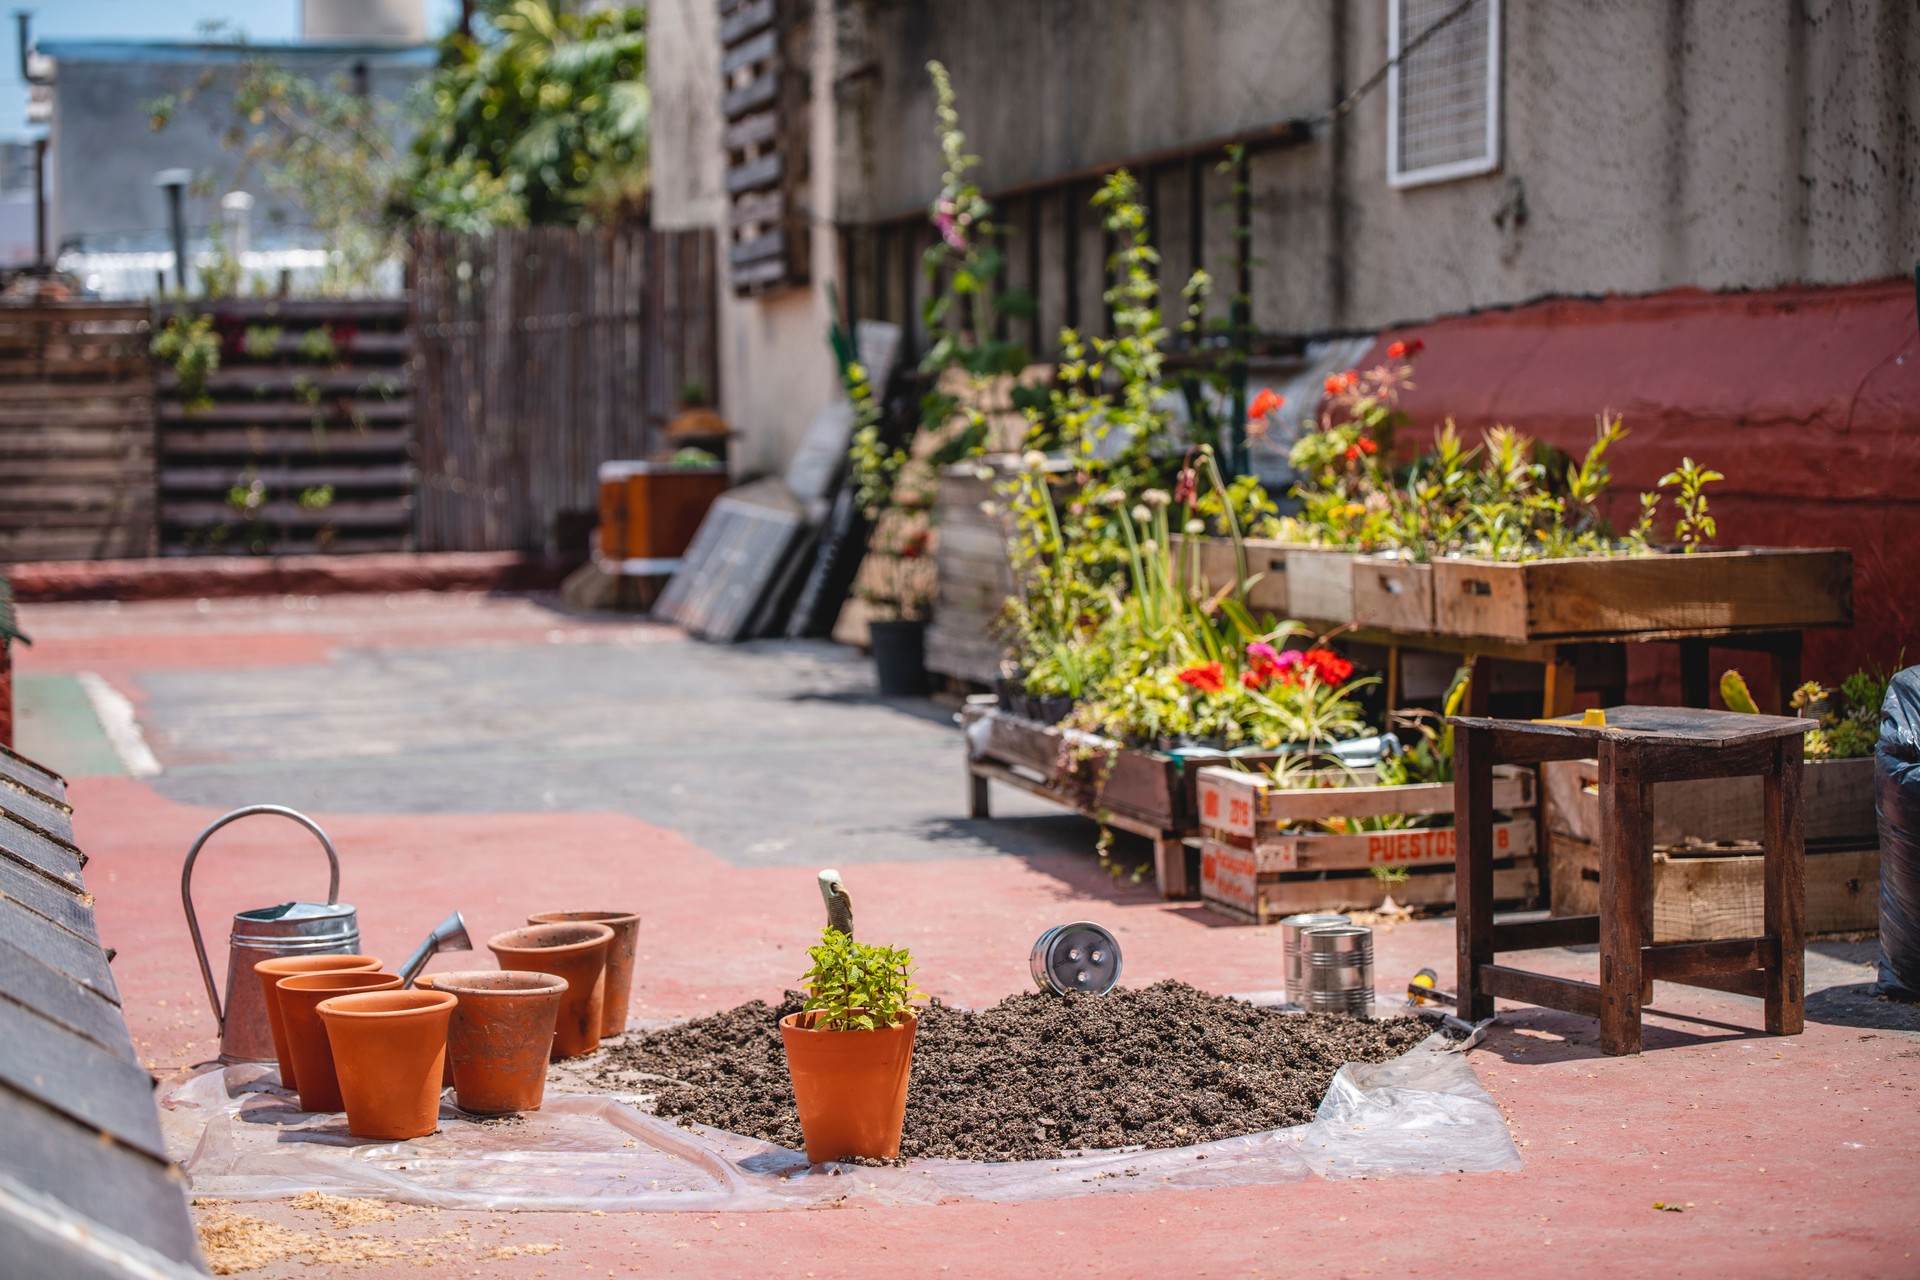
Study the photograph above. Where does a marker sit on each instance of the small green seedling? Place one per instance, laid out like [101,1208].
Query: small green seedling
[857,986]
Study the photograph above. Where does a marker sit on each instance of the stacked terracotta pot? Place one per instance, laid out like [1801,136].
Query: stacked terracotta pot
[348,1036]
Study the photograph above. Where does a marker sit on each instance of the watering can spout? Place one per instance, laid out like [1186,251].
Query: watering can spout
[449,935]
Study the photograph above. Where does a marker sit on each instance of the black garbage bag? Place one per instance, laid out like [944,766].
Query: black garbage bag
[1896,802]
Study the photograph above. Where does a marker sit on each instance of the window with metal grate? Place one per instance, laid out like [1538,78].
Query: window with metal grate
[1443,90]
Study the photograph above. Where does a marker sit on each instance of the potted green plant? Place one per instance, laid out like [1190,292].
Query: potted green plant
[850,1050]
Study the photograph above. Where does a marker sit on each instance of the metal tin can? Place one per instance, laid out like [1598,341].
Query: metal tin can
[1290,930]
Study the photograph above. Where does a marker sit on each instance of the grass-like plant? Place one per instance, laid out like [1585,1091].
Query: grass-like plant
[857,986]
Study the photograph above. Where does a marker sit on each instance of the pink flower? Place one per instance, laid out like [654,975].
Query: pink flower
[1261,651]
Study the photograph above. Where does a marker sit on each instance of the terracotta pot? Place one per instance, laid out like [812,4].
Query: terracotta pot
[271,971]
[425,983]
[300,997]
[626,936]
[500,1037]
[576,952]
[850,1086]
[389,1047]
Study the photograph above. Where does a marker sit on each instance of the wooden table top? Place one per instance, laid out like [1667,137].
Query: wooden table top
[1677,725]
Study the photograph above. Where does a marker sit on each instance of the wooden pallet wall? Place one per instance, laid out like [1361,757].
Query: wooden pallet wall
[76,432]
[541,354]
[306,444]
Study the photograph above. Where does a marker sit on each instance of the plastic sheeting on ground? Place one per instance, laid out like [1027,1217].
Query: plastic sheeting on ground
[240,1137]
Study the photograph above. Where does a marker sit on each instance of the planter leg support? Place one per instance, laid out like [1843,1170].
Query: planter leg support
[977,795]
[1170,867]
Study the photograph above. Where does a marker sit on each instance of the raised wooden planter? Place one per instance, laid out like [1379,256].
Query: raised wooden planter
[1392,593]
[1702,895]
[1320,584]
[1266,569]
[1707,884]
[1753,589]
[1836,805]
[1148,793]
[1255,866]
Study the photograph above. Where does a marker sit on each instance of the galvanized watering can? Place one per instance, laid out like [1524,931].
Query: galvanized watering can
[290,929]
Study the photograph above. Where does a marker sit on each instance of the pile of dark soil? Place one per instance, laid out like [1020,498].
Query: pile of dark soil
[1035,1075]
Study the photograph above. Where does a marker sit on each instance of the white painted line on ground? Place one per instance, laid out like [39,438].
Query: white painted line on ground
[117,721]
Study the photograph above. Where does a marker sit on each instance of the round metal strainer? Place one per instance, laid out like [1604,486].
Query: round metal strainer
[1080,956]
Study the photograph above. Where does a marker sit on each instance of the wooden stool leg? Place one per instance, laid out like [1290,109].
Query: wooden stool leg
[1785,906]
[1624,869]
[977,800]
[1473,868]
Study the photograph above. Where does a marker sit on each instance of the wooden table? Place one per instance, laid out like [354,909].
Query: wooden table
[1637,746]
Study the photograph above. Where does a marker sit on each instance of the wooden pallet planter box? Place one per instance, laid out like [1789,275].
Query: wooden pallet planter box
[1392,593]
[1836,802]
[1255,866]
[1757,588]
[1320,584]
[1701,895]
[1266,571]
[1148,793]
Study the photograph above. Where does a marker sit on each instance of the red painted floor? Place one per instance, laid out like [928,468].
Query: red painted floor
[1788,1156]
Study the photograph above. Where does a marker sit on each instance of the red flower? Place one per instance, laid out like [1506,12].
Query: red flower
[1368,446]
[1251,679]
[1333,384]
[1204,676]
[1415,347]
[1353,453]
[1265,403]
[1327,666]
[1397,351]
[1186,486]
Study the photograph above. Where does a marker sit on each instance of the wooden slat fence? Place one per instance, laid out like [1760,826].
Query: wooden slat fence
[304,438]
[541,353]
[76,432]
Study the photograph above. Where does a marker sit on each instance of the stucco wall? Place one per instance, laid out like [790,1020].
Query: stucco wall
[776,371]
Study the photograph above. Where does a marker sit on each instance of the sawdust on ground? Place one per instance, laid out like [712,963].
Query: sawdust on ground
[234,1242]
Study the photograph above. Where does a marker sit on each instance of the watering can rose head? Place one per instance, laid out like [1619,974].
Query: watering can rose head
[857,986]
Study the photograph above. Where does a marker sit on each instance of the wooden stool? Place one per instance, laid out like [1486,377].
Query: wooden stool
[1637,746]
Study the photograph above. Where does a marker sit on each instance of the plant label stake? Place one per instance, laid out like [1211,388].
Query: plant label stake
[290,929]
[1075,957]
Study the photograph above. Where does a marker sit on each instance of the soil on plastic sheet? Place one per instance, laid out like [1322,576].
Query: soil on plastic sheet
[1035,1075]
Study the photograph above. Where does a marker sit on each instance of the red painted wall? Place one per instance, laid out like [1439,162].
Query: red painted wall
[1807,399]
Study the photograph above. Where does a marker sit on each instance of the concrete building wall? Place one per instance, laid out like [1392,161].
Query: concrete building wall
[103,153]
[776,371]
[1721,144]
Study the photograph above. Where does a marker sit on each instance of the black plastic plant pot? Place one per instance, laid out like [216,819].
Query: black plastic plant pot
[900,658]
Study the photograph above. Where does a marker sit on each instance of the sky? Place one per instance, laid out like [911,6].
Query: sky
[151,20]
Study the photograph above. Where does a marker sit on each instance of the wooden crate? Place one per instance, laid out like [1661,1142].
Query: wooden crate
[1320,584]
[1701,896]
[1266,571]
[1755,588]
[1237,804]
[1836,799]
[1392,593]
[1232,884]
[1254,868]
[976,578]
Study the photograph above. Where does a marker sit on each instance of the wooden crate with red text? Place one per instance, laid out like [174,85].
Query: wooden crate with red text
[1269,851]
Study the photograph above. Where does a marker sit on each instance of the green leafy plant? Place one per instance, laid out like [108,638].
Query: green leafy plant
[1695,527]
[857,986]
[191,347]
[1849,717]
[261,341]
[317,346]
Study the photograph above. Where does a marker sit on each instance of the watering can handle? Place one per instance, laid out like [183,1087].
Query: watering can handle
[186,884]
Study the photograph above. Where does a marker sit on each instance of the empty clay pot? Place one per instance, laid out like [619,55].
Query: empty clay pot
[300,997]
[626,937]
[850,1087]
[576,952]
[388,1047]
[500,1037]
[425,983]
[278,967]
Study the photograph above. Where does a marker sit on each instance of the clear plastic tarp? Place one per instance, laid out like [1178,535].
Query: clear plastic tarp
[241,1137]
